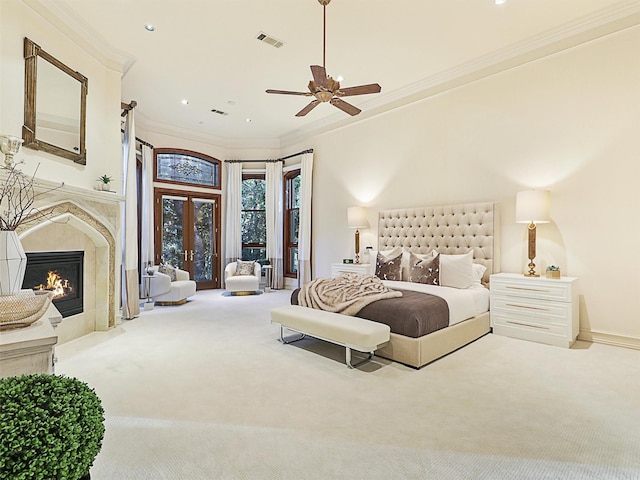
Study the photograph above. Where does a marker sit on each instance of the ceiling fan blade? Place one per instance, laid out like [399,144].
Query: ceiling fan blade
[319,75]
[287,92]
[308,108]
[344,106]
[359,90]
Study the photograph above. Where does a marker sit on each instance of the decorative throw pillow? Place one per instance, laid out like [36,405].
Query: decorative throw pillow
[168,270]
[386,254]
[406,255]
[425,271]
[456,270]
[388,268]
[245,267]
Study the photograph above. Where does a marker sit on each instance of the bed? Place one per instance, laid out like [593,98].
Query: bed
[468,230]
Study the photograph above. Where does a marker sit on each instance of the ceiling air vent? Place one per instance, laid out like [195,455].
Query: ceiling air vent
[219,112]
[274,42]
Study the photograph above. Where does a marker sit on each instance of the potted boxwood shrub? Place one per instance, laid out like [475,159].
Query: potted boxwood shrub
[51,427]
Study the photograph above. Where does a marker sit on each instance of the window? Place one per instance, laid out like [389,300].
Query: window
[186,167]
[291,222]
[254,217]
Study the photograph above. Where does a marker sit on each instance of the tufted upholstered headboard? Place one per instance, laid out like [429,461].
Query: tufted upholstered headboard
[449,229]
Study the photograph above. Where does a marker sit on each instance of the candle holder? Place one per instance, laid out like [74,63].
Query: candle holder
[9,146]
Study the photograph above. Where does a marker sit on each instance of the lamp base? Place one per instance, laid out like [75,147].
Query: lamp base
[532,269]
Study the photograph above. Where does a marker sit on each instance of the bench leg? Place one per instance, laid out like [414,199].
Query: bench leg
[354,365]
[282,339]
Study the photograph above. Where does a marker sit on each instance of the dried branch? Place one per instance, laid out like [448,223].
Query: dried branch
[17,197]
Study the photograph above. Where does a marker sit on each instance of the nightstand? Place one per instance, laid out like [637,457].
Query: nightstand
[535,308]
[338,269]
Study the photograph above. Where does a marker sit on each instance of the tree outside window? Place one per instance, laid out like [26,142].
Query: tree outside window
[254,217]
[291,222]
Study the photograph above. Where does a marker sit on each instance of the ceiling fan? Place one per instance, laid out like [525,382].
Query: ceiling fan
[326,89]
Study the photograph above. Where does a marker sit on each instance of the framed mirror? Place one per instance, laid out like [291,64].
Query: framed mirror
[55,105]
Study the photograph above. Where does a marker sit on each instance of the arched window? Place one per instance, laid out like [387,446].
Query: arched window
[186,167]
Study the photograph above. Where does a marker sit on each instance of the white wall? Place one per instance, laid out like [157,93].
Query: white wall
[103,141]
[569,123]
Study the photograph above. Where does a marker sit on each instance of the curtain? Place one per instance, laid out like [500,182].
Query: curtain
[275,227]
[233,232]
[304,231]
[129,274]
[146,248]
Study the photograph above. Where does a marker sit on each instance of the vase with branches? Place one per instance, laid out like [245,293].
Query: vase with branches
[17,198]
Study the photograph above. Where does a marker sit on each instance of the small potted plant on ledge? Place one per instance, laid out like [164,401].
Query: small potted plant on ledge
[553,271]
[105,180]
[51,427]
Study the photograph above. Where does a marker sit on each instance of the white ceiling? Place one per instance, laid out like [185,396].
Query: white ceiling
[207,51]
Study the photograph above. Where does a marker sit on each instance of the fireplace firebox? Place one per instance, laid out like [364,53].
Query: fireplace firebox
[60,273]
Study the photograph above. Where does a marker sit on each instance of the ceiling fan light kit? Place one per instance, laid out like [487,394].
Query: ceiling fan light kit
[324,88]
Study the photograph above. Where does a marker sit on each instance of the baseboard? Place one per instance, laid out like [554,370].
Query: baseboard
[610,339]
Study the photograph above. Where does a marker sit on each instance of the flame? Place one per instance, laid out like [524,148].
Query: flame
[56,284]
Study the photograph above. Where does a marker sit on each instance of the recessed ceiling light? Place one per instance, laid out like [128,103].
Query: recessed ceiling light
[499,2]
[184,102]
[248,120]
[149,27]
[231,102]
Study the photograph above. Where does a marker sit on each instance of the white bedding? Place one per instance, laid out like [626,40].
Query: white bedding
[463,303]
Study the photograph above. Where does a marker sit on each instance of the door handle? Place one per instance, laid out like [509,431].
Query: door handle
[191,258]
[185,255]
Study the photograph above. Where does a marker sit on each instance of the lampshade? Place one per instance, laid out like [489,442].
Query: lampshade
[357,217]
[533,206]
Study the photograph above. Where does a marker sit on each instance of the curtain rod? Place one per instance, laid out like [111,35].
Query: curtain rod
[139,140]
[310,150]
[127,106]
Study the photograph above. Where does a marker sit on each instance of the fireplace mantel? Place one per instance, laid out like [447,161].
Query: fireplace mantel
[70,216]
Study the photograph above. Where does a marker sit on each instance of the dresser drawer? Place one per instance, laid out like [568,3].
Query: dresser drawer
[546,290]
[521,311]
[338,269]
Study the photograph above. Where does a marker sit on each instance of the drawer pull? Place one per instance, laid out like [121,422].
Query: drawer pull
[525,306]
[529,289]
[528,325]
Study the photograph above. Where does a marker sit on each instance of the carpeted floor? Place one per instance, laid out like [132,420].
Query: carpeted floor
[206,391]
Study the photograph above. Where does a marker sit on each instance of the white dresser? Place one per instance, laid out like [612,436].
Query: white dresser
[338,269]
[535,308]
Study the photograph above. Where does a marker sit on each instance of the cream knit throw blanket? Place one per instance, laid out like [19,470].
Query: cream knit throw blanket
[346,294]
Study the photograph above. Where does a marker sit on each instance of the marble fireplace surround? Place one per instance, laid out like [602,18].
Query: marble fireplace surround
[71,218]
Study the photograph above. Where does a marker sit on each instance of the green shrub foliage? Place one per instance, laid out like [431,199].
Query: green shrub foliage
[51,427]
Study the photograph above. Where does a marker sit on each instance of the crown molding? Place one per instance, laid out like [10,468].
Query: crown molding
[60,15]
[623,15]
[148,125]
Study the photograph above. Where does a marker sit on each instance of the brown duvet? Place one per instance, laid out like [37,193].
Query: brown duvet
[415,314]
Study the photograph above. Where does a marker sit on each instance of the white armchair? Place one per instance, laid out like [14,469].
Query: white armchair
[242,284]
[164,291]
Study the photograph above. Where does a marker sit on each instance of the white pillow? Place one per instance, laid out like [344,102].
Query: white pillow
[478,272]
[387,254]
[456,270]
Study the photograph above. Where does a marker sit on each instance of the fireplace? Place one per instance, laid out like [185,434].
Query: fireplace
[61,273]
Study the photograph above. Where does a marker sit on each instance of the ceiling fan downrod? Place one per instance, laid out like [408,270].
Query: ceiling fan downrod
[324,4]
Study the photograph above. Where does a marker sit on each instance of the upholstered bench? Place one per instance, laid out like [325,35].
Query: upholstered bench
[350,332]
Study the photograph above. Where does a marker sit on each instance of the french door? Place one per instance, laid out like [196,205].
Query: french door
[187,234]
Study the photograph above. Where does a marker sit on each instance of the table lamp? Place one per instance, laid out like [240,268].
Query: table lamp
[357,218]
[532,207]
